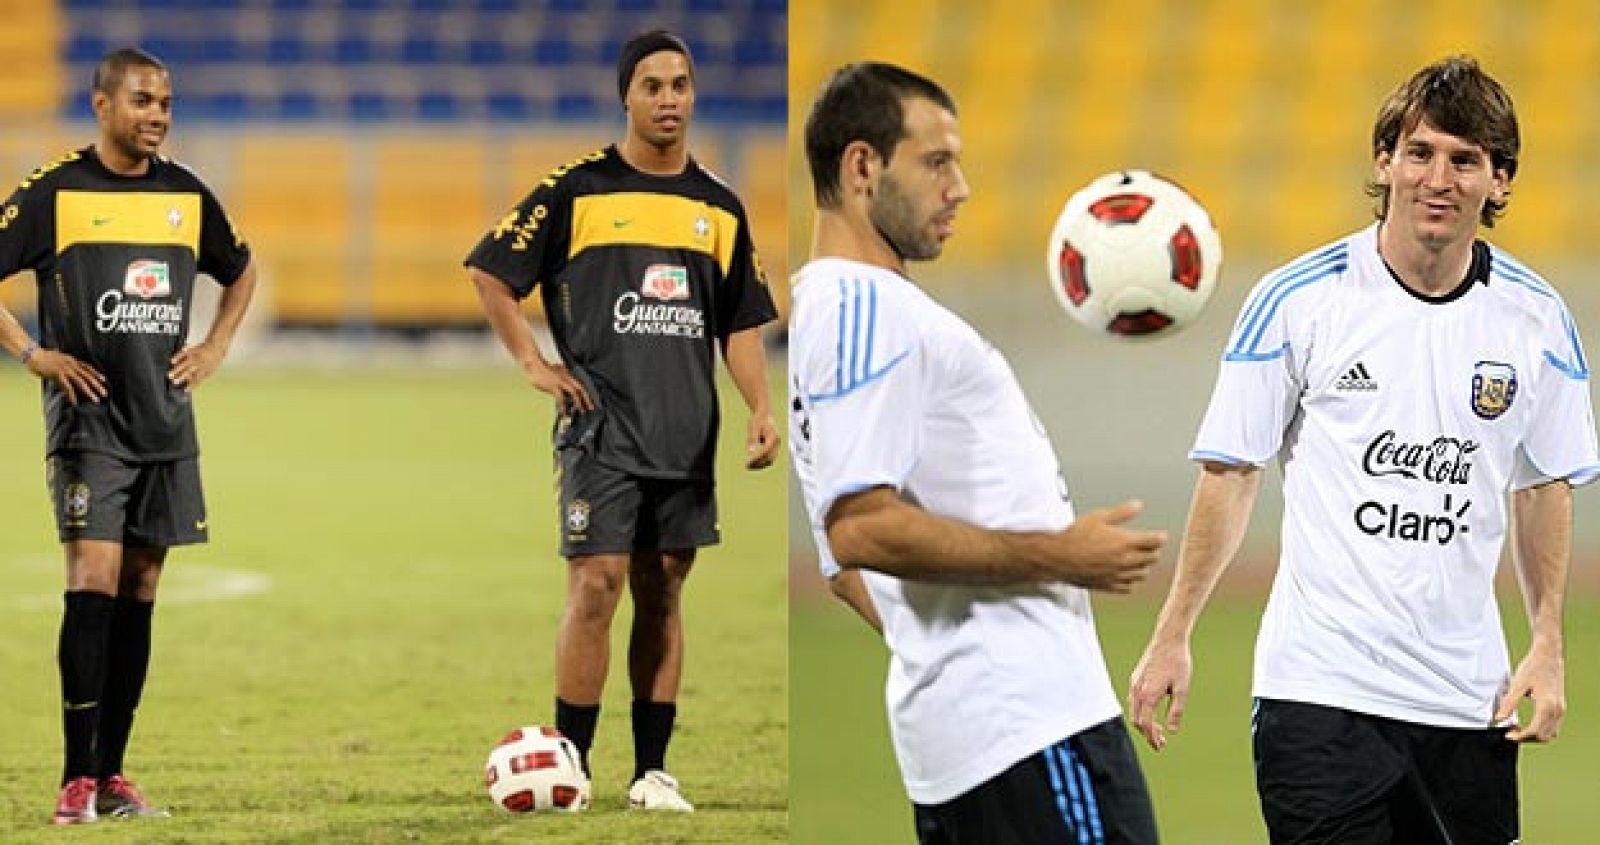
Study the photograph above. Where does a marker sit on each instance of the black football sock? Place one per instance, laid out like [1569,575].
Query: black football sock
[127,663]
[652,730]
[577,723]
[81,658]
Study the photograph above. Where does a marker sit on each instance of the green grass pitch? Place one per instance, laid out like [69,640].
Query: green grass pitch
[846,788]
[402,526]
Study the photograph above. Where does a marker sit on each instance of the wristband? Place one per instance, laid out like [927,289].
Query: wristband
[28,353]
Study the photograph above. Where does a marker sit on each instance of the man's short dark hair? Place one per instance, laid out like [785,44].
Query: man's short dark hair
[644,44]
[108,74]
[862,102]
[1458,97]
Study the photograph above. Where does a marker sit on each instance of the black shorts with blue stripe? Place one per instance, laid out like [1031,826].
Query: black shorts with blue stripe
[1086,789]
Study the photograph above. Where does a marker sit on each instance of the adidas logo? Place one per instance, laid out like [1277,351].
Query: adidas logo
[1356,379]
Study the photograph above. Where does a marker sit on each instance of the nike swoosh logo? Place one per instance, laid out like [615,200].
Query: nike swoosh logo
[621,223]
[200,526]
[100,221]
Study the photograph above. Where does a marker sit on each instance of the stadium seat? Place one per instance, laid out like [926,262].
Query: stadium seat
[299,106]
[368,106]
[439,105]
[576,107]
[554,51]
[421,51]
[487,52]
[507,106]
[286,50]
[86,49]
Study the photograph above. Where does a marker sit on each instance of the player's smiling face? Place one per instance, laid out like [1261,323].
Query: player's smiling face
[661,99]
[1438,186]
[135,118]
[914,206]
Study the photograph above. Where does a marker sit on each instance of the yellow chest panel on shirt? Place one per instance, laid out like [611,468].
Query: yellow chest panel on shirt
[647,219]
[85,217]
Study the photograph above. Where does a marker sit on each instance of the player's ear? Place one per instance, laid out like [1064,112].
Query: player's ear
[1381,168]
[100,102]
[858,167]
[1500,186]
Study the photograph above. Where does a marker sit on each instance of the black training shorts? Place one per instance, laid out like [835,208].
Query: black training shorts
[1335,776]
[1088,788]
[100,497]
[605,511]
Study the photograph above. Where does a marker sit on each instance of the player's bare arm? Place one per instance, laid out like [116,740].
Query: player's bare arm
[1224,496]
[505,317]
[747,364]
[848,587]
[1541,551]
[194,364]
[77,379]
[876,529]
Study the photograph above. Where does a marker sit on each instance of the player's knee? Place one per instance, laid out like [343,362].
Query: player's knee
[595,586]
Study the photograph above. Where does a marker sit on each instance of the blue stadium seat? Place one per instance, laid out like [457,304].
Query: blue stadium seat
[576,107]
[636,6]
[487,52]
[78,107]
[757,54]
[498,5]
[438,105]
[224,50]
[86,49]
[171,50]
[299,105]
[286,50]
[771,109]
[353,50]
[84,5]
[228,106]
[507,106]
[367,105]
[554,51]
[703,6]
[421,51]
[292,5]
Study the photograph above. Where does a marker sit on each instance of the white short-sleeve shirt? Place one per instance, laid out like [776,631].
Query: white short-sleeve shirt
[889,388]
[1401,424]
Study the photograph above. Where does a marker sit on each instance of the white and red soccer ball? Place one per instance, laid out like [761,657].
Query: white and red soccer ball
[1134,255]
[536,769]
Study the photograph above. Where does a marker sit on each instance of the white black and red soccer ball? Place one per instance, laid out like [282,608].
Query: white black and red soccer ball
[1134,255]
[535,769]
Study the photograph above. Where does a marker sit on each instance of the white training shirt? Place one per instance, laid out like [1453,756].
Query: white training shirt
[1401,424]
[888,388]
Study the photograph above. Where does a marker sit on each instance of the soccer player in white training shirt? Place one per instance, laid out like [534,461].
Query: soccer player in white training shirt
[1408,378]
[937,505]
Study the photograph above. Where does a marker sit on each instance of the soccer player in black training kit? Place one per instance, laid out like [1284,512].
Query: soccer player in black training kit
[646,266]
[115,234]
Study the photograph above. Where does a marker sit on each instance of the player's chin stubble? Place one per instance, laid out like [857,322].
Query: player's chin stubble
[895,218]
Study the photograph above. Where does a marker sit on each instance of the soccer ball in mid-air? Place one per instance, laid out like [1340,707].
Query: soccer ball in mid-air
[1134,255]
[536,768]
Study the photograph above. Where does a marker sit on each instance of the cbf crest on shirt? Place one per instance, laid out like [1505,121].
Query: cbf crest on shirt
[642,276]
[116,259]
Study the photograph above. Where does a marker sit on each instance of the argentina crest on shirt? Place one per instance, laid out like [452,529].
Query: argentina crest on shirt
[1494,388]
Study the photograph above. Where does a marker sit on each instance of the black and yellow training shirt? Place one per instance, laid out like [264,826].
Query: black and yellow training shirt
[642,276]
[116,258]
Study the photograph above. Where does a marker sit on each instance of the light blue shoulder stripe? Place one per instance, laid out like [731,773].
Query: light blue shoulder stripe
[1576,365]
[858,318]
[1276,280]
[1252,331]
